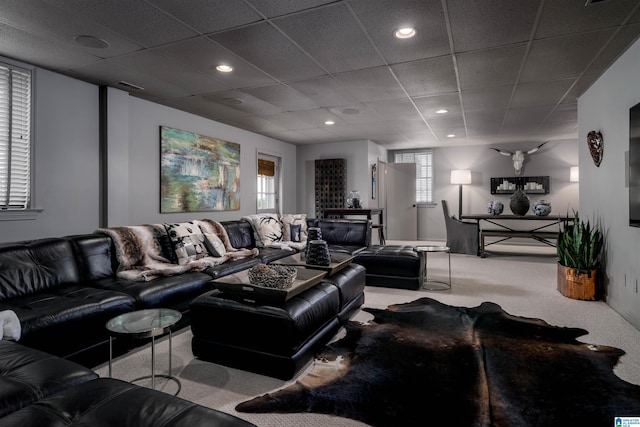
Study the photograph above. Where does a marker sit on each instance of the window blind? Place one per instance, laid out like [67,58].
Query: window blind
[424,172]
[266,167]
[15,138]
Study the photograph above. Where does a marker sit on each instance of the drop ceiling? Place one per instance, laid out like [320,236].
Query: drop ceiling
[506,71]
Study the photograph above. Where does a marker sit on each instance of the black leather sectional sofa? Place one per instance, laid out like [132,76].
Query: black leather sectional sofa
[65,289]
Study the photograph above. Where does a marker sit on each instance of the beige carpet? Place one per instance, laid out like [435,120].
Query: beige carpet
[524,285]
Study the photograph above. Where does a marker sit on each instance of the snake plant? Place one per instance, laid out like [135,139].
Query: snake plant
[579,245]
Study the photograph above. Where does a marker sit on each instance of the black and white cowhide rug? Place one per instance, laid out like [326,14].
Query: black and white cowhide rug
[425,363]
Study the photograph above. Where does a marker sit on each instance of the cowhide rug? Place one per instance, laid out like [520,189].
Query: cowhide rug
[429,364]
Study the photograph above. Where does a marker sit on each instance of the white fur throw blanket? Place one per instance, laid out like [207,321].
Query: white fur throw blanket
[139,251]
[10,328]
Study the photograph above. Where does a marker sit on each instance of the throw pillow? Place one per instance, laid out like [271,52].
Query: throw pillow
[267,228]
[294,227]
[188,241]
[214,245]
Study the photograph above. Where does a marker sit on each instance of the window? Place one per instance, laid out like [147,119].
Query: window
[15,138]
[268,184]
[424,172]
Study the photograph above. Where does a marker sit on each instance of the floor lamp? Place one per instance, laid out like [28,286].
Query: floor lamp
[460,177]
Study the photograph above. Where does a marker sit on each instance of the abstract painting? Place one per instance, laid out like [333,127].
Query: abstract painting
[198,173]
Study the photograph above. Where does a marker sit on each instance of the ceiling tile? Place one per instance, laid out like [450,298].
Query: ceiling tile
[205,55]
[242,102]
[490,68]
[485,24]
[167,69]
[210,108]
[292,120]
[621,41]
[540,93]
[568,55]
[282,96]
[402,109]
[372,84]
[484,123]
[427,77]
[272,8]
[530,116]
[254,124]
[207,16]
[60,26]
[270,51]
[496,98]
[325,91]
[323,33]
[140,22]
[382,17]
[356,113]
[573,16]
[428,105]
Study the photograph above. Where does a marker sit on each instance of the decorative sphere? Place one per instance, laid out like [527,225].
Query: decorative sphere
[541,208]
[495,207]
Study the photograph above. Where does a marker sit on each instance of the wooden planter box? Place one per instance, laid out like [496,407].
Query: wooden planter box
[578,285]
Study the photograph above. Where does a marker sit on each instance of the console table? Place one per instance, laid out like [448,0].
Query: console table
[368,212]
[539,228]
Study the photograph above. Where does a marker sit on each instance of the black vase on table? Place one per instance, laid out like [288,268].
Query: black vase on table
[318,253]
[519,203]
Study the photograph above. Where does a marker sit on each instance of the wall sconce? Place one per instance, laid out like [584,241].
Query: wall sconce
[460,177]
[574,175]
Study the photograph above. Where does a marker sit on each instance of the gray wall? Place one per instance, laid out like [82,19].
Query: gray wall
[604,193]
[65,160]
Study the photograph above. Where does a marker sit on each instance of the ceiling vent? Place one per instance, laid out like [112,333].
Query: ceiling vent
[129,85]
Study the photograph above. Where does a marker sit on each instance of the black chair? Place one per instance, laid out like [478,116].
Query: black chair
[462,237]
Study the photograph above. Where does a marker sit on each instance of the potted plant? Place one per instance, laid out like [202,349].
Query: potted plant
[579,250]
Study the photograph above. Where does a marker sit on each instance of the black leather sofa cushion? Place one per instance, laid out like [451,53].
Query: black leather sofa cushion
[350,282]
[240,234]
[27,375]
[278,329]
[398,260]
[29,267]
[60,305]
[110,402]
[346,233]
[230,267]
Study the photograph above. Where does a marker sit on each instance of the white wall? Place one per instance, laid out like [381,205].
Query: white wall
[65,160]
[604,194]
[553,160]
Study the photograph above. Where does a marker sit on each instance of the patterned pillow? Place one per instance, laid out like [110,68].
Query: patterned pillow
[188,241]
[214,245]
[267,228]
[294,227]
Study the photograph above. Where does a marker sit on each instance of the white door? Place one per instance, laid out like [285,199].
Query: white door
[401,213]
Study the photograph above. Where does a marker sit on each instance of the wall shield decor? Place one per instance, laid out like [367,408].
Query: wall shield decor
[198,173]
[596,146]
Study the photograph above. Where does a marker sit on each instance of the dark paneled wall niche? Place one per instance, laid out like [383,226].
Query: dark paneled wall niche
[331,184]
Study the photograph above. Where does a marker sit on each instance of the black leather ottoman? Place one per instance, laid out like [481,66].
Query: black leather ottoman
[277,340]
[393,266]
[109,402]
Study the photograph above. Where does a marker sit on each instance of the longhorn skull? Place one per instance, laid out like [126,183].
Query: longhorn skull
[518,156]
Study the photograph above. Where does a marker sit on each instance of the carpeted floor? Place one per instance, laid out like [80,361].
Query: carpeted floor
[523,285]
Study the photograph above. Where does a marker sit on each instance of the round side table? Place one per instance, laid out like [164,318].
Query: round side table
[145,324]
[433,285]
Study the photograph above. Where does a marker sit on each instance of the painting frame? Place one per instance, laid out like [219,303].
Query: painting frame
[198,173]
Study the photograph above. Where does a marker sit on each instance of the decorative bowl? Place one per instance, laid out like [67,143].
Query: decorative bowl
[272,276]
[541,208]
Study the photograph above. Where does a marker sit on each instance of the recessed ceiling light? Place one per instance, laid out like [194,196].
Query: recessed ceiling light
[442,111]
[450,135]
[329,123]
[405,33]
[91,41]
[224,68]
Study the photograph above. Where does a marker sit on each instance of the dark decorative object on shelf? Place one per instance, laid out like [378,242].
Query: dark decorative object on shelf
[495,207]
[541,208]
[519,203]
[318,253]
[530,184]
[596,146]
[353,200]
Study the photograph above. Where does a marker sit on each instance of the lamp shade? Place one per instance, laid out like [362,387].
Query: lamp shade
[574,175]
[461,176]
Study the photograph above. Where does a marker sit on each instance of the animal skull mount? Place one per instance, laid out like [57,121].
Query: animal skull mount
[596,146]
[518,157]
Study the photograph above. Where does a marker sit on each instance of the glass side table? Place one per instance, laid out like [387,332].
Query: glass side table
[145,324]
[433,285]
